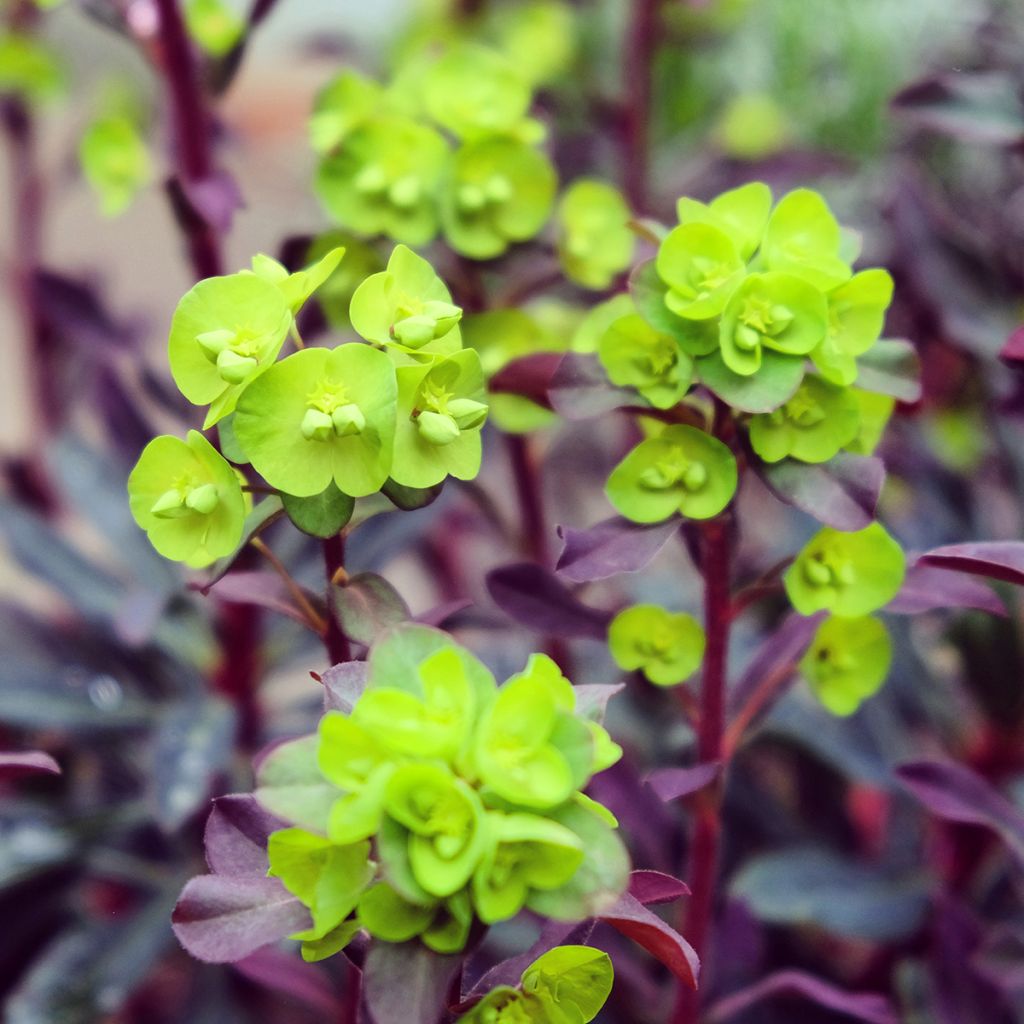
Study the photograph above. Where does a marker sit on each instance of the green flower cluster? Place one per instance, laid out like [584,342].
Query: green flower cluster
[448,146]
[444,799]
[407,405]
[849,575]
[666,647]
[567,985]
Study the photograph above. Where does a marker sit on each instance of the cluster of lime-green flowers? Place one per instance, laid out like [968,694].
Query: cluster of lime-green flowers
[850,575]
[760,305]
[405,404]
[441,799]
[667,647]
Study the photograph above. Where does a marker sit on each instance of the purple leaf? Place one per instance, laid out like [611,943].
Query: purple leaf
[955,793]
[1013,351]
[675,783]
[928,588]
[366,605]
[222,920]
[891,368]
[440,614]
[580,389]
[529,377]
[406,983]
[775,659]
[612,547]
[644,927]
[215,198]
[653,887]
[285,973]
[534,597]
[862,1006]
[14,764]
[344,685]
[236,836]
[592,698]
[994,559]
[842,492]
[261,588]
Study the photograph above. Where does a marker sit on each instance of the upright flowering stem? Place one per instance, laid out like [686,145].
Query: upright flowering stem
[641,42]
[192,133]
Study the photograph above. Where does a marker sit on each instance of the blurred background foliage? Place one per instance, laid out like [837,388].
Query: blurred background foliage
[152,697]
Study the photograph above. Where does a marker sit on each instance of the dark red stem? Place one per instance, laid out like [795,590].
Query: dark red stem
[705,840]
[337,644]
[641,42]
[193,129]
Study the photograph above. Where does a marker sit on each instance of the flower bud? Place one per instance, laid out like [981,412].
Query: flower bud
[405,193]
[203,499]
[317,425]
[746,338]
[170,505]
[233,368]
[467,413]
[437,428]
[498,189]
[445,314]
[371,180]
[695,476]
[818,574]
[415,331]
[214,342]
[348,420]
[471,198]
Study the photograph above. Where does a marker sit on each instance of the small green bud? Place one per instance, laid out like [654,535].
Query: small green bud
[445,314]
[471,198]
[437,428]
[170,505]
[233,368]
[405,193]
[695,476]
[415,331]
[467,413]
[348,420]
[817,572]
[371,180]
[317,426]
[203,499]
[214,342]
[498,189]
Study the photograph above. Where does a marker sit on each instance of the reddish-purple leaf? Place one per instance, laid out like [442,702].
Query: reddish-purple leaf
[236,836]
[286,973]
[862,1006]
[366,605]
[612,547]
[675,783]
[343,685]
[842,492]
[441,613]
[955,793]
[14,764]
[653,887]
[994,559]
[592,698]
[772,665]
[644,927]
[215,198]
[222,920]
[893,368]
[580,389]
[534,597]
[1013,351]
[265,589]
[928,588]
[529,377]
[406,983]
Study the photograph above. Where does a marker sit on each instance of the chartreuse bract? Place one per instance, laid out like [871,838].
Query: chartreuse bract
[567,985]
[847,661]
[188,499]
[443,799]
[666,647]
[595,242]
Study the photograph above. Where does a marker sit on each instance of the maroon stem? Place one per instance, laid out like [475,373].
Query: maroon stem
[641,42]
[707,827]
[192,133]
[337,644]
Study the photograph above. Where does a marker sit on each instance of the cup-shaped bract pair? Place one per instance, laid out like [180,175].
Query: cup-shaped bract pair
[847,662]
[115,161]
[848,574]
[636,355]
[497,190]
[441,411]
[407,308]
[856,315]
[741,214]
[225,332]
[321,416]
[682,470]
[702,267]
[804,238]
[812,426]
[188,499]
[383,178]
[567,985]
[666,647]
[345,102]
[595,242]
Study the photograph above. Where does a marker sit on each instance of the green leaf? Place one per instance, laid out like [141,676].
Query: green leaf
[289,784]
[668,648]
[366,605]
[848,574]
[682,469]
[323,514]
[848,661]
[774,383]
